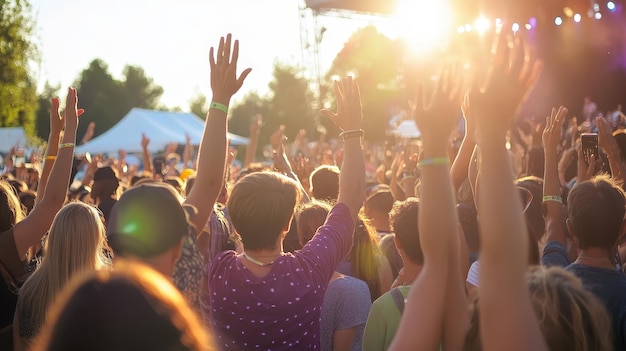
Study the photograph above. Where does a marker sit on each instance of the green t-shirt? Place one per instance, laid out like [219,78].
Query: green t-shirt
[383,321]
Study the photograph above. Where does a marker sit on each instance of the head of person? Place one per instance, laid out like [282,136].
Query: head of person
[365,254]
[11,211]
[533,214]
[27,199]
[596,213]
[130,308]
[149,223]
[404,217]
[261,206]
[105,184]
[569,316]
[310,217]
[378,201]
[75,244]
[324,182]
[82,193]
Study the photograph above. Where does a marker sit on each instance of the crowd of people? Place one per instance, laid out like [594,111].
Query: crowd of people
[507,238]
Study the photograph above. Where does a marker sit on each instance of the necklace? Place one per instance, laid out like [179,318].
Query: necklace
[257,262]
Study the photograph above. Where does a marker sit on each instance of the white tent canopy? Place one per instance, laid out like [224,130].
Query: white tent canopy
[10,137]
[161,127]
[407,129]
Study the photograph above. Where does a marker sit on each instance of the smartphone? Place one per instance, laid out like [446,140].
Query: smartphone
[590,145]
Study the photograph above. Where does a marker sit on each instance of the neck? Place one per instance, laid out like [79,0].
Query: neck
[411,272]
[262,258]
[596,257]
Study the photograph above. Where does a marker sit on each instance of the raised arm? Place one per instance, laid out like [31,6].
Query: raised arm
[187,152]
[147,158]
[29,231]
[461,162]
[282,164]
[56,126]
[212,151]
[507,319]
[552,201]
[255,128]
[607,142]
[349,119]
[436,301]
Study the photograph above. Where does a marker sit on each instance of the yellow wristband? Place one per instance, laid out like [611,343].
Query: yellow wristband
[433,161]
[51,157]
[66,145]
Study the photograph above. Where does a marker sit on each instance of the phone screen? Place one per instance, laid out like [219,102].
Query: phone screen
[589,145]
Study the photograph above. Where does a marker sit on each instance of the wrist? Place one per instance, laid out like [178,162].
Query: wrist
[221,99]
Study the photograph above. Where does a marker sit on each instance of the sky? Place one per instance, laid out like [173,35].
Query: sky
[170,40]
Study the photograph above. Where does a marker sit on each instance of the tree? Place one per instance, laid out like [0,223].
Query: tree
[198,106]
[107,100]
[18,94]
[242,113]
[44,106]
[374,60]
[141,91]
[290,102]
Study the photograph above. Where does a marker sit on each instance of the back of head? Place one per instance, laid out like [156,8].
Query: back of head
[105,183]
[130,308]
[147,221]
[569,316]
[74,245]
[261,206]
[534,212]
[324,181]
[403,218]
[620,139]
[310,217]
[596,212]
[11,211]
[378,198]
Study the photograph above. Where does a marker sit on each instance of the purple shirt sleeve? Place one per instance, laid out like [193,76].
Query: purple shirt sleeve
[331,243]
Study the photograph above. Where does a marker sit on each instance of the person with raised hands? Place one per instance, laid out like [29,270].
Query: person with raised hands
[265,298]
[17,233]
[151,221]
[506,317]
[437,301]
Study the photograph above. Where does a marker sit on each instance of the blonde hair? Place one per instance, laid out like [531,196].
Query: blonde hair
[11,211]
[570,317]
[310,217]
[75,244]
[131,307]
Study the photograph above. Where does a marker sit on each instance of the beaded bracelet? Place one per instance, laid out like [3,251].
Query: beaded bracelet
[66,145]
[553,198]
[219,106]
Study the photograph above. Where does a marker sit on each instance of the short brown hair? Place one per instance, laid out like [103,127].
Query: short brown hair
[260,206]
[325,183]
[596,212]
[403,218]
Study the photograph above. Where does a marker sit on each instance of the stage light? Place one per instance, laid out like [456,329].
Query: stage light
[533,22]
[528,26]
[461,29]
[568,11]
[481,24]
[468,27]
[610,5]
[515,27]
[558,21]
[598,15]
[596,7]
[577,17]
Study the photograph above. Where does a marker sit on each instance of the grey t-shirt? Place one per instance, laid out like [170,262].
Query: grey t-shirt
[346,305]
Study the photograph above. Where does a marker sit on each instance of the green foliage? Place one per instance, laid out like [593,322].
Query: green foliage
[18,95]
[374,60]
[199,106]
[242,113]
[107,100]
[43,112]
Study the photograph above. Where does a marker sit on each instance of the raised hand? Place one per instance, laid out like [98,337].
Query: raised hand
[437,116]
[349,115]
[605,134]
[57,122]
[224,81]
[71,111]
[497,100]
[145,141]
[281,163]
[552,132]
[277,137]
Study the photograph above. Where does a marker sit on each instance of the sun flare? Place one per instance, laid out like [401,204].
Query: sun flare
[424,24]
